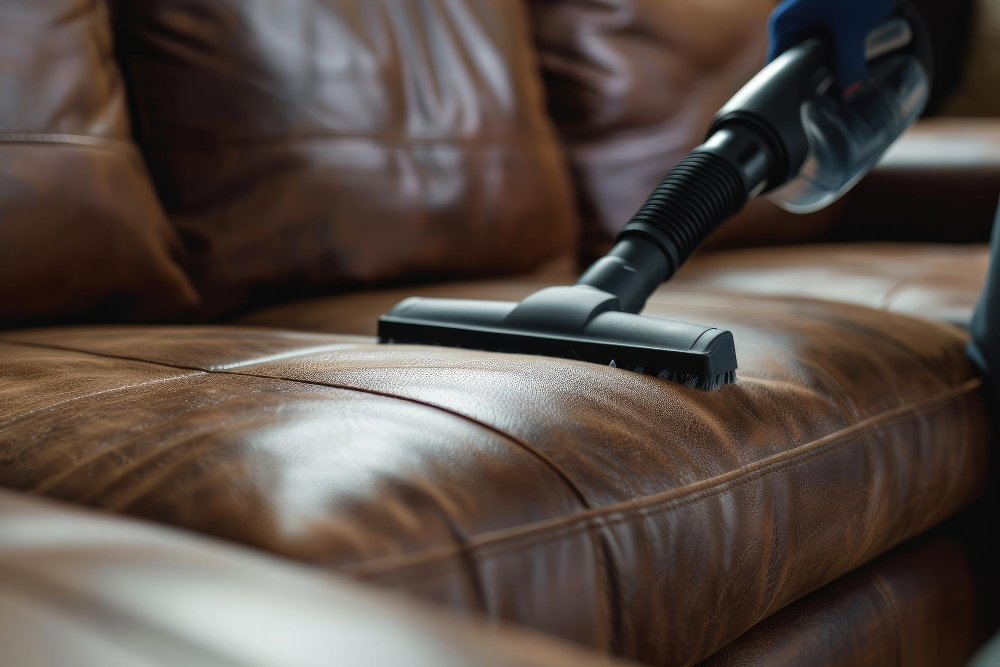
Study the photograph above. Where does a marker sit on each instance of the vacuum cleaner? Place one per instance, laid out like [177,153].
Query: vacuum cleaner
[788,134]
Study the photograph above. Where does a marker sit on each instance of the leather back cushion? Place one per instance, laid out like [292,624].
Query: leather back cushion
[81,231]
[633,86]
[315,143]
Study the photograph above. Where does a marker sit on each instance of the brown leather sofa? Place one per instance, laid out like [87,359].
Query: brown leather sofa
[253,480]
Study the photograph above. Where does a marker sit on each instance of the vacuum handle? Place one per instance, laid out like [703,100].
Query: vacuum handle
[771,104]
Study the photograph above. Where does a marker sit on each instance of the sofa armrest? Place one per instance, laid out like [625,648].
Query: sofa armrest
[939,183]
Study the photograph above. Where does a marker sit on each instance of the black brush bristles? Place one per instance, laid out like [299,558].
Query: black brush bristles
[710,383]
[704,383]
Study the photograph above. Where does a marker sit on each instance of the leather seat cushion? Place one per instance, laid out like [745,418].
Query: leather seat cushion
[613,509]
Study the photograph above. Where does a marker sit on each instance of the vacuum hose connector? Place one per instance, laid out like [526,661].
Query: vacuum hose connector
[704,190]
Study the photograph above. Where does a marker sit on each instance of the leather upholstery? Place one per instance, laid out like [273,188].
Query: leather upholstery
[81,231]
[591,503]
[926,604]
[328,143]
[90,591]
[321,143]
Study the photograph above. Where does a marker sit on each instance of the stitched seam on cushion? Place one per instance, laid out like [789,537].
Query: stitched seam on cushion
[539,456]
[460,538]
[443,562]
[597,519]
[283,356]
[65,141]
[36,411]
[880,587]
[511,144]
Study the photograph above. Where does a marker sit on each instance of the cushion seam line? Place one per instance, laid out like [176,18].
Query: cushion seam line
[65,141]
[513,144]
[586,522]
[30,413]
[883,593]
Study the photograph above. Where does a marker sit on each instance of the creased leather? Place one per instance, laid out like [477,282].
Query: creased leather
[317,144]
[82,234]
[613,509]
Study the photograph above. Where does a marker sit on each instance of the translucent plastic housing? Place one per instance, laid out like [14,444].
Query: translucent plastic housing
[848,136]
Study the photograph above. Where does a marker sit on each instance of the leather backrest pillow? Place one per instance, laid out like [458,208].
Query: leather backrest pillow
[633,86]
[312,144]
[82,234]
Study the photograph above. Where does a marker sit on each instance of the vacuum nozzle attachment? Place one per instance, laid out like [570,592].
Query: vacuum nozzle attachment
[576,322]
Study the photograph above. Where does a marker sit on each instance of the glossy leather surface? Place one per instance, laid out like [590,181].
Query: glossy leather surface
[81,231]
[81,589]
[591,503]
[330,142]
[319,143]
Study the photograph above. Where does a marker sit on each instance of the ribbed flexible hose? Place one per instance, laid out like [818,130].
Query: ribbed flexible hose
[699,194]
[704,190]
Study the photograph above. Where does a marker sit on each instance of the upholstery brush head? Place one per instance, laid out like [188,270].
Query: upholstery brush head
[690,354]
